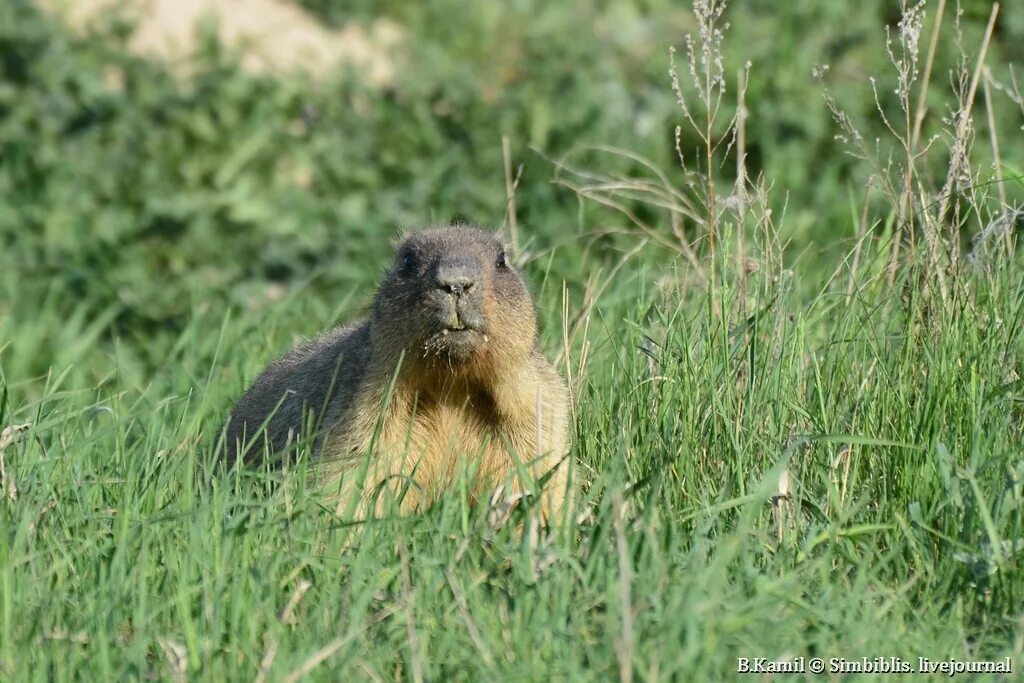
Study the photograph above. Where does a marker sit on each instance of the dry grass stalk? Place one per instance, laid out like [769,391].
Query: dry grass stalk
[781,502]
[511,183]
[901,182]
[471,627]
[177,658]
[624,643]
[706,70]
[269,652]
[997,162]
[331,648]
[415,654]
[740,187]
[960,153]
[614,191]
[7,437]
[286,616]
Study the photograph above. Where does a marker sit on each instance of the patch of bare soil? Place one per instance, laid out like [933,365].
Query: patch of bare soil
[274,36]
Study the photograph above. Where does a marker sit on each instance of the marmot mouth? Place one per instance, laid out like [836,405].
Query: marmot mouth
[455,343]
[461,334]
[462,326]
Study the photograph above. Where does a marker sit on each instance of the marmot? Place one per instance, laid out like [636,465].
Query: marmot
[444,377]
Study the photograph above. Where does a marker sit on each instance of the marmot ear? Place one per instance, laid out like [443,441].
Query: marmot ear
[397,240]
[461,220]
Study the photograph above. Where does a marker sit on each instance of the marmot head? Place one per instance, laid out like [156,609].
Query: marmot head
[452,302]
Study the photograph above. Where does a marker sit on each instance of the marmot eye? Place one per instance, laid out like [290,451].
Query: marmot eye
[501,263]
[407,262]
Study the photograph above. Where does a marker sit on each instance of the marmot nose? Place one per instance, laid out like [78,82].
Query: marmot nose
[454,281]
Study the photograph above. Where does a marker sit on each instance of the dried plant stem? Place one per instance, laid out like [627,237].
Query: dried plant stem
[741,176]
[922,95]
[317,658]
[862,231]
[270,646]
[566,350]
[707,78]
[997,161]
[583,317]
[624,644]
[965,115]
[905,62]
[410,620]
[471,627]
[510,193]
[712,218]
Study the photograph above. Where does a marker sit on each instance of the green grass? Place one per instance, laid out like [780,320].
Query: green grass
[154,257]
[901,435]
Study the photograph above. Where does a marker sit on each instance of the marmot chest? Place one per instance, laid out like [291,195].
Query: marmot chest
[443,431]
[436,442]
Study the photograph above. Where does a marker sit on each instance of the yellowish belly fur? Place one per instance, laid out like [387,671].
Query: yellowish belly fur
[419,451]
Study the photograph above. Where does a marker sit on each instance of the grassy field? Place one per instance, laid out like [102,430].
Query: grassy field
[798,380]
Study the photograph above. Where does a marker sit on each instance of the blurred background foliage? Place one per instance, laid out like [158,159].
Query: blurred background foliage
[128,194]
